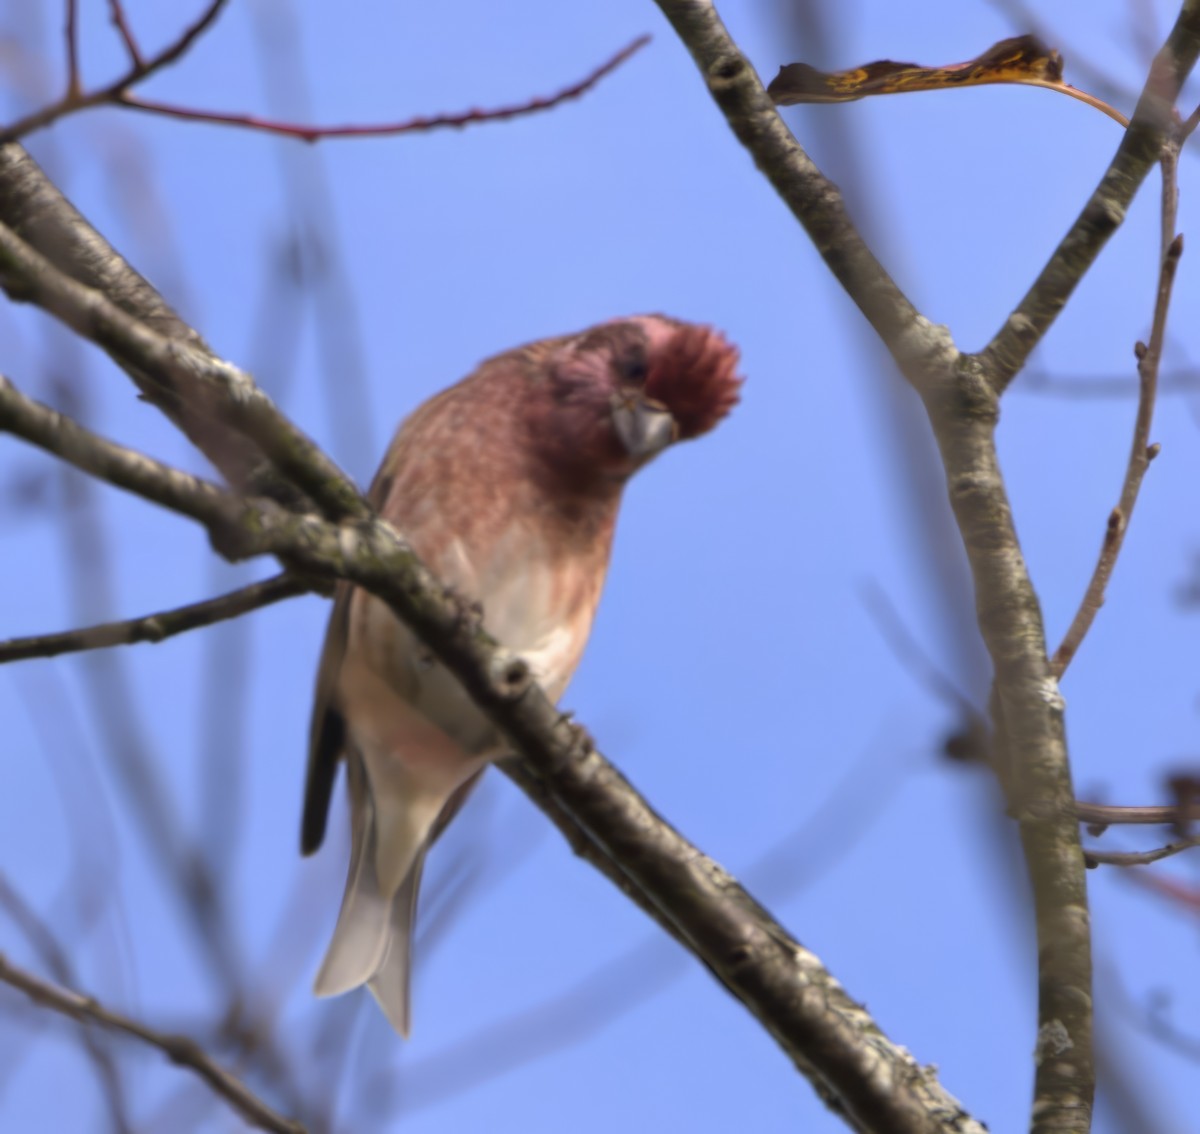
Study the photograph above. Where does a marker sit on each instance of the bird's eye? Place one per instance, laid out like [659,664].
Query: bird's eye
[633,369]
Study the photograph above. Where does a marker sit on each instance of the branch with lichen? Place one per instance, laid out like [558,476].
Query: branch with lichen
[875,1084]
[169,367]
[1150,128]
[961,394]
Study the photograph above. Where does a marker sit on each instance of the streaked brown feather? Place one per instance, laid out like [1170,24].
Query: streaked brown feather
[506,486]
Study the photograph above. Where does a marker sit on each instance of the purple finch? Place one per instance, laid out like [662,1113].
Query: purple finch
[507,487]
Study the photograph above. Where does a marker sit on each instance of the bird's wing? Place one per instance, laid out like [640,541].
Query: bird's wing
[327,734]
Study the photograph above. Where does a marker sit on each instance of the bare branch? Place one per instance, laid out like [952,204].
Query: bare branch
[812,198]
[51,953]
[121,23]
[27,275]
[1154,815]
[1140,148]
[179,1050]
[60,435]
[118,92]
[1141,452]
[1030,752]
[72,36]
[414,125]
[156,627]
[876,1084]
[32,205]
[1096,857]
[139,70]
[873,1082]
[962,402]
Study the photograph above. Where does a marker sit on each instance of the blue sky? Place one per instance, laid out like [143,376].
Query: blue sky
[736,673]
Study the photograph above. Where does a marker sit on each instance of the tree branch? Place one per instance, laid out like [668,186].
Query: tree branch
[121,23]
[961,397]
[1093,856]
[415,125]
[51,954]
[117,93]
[812,198]
[171,366]
[1141,452]
[71,33]
[875,1084]
[1030,750]
[154,627]
[1152,815]
[1140,148]
[32,207]
[139,70]
[178,1049]
[55,432]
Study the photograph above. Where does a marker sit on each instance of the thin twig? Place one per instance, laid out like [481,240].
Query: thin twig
[72,37]
[851,1063]
[1096,857]
[1141,452]
[121,22]
[180,1050]
[1154,815]
[156,627]
[413,125]
[140,69]
[960,394]
[51,953]
[1140,149]
[118,93]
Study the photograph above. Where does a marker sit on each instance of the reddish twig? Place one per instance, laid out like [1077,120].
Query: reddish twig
[383,129]
[118,93]
[1141,452]
[140,69]
[121,23]
[72,36]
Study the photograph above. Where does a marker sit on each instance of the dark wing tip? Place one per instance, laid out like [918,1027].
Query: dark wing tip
[318,789]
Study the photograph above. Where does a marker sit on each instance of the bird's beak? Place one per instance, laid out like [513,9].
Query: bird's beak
[643,426]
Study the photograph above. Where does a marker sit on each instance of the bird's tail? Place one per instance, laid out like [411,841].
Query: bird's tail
[395,817]
[372,943]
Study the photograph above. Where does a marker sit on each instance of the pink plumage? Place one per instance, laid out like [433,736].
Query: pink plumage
[507,485]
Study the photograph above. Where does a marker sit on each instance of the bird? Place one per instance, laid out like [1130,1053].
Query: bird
[506,485]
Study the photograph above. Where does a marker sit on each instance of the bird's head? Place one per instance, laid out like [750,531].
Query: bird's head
[618,394]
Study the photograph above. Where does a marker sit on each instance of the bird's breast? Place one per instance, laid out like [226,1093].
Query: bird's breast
[538,600]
